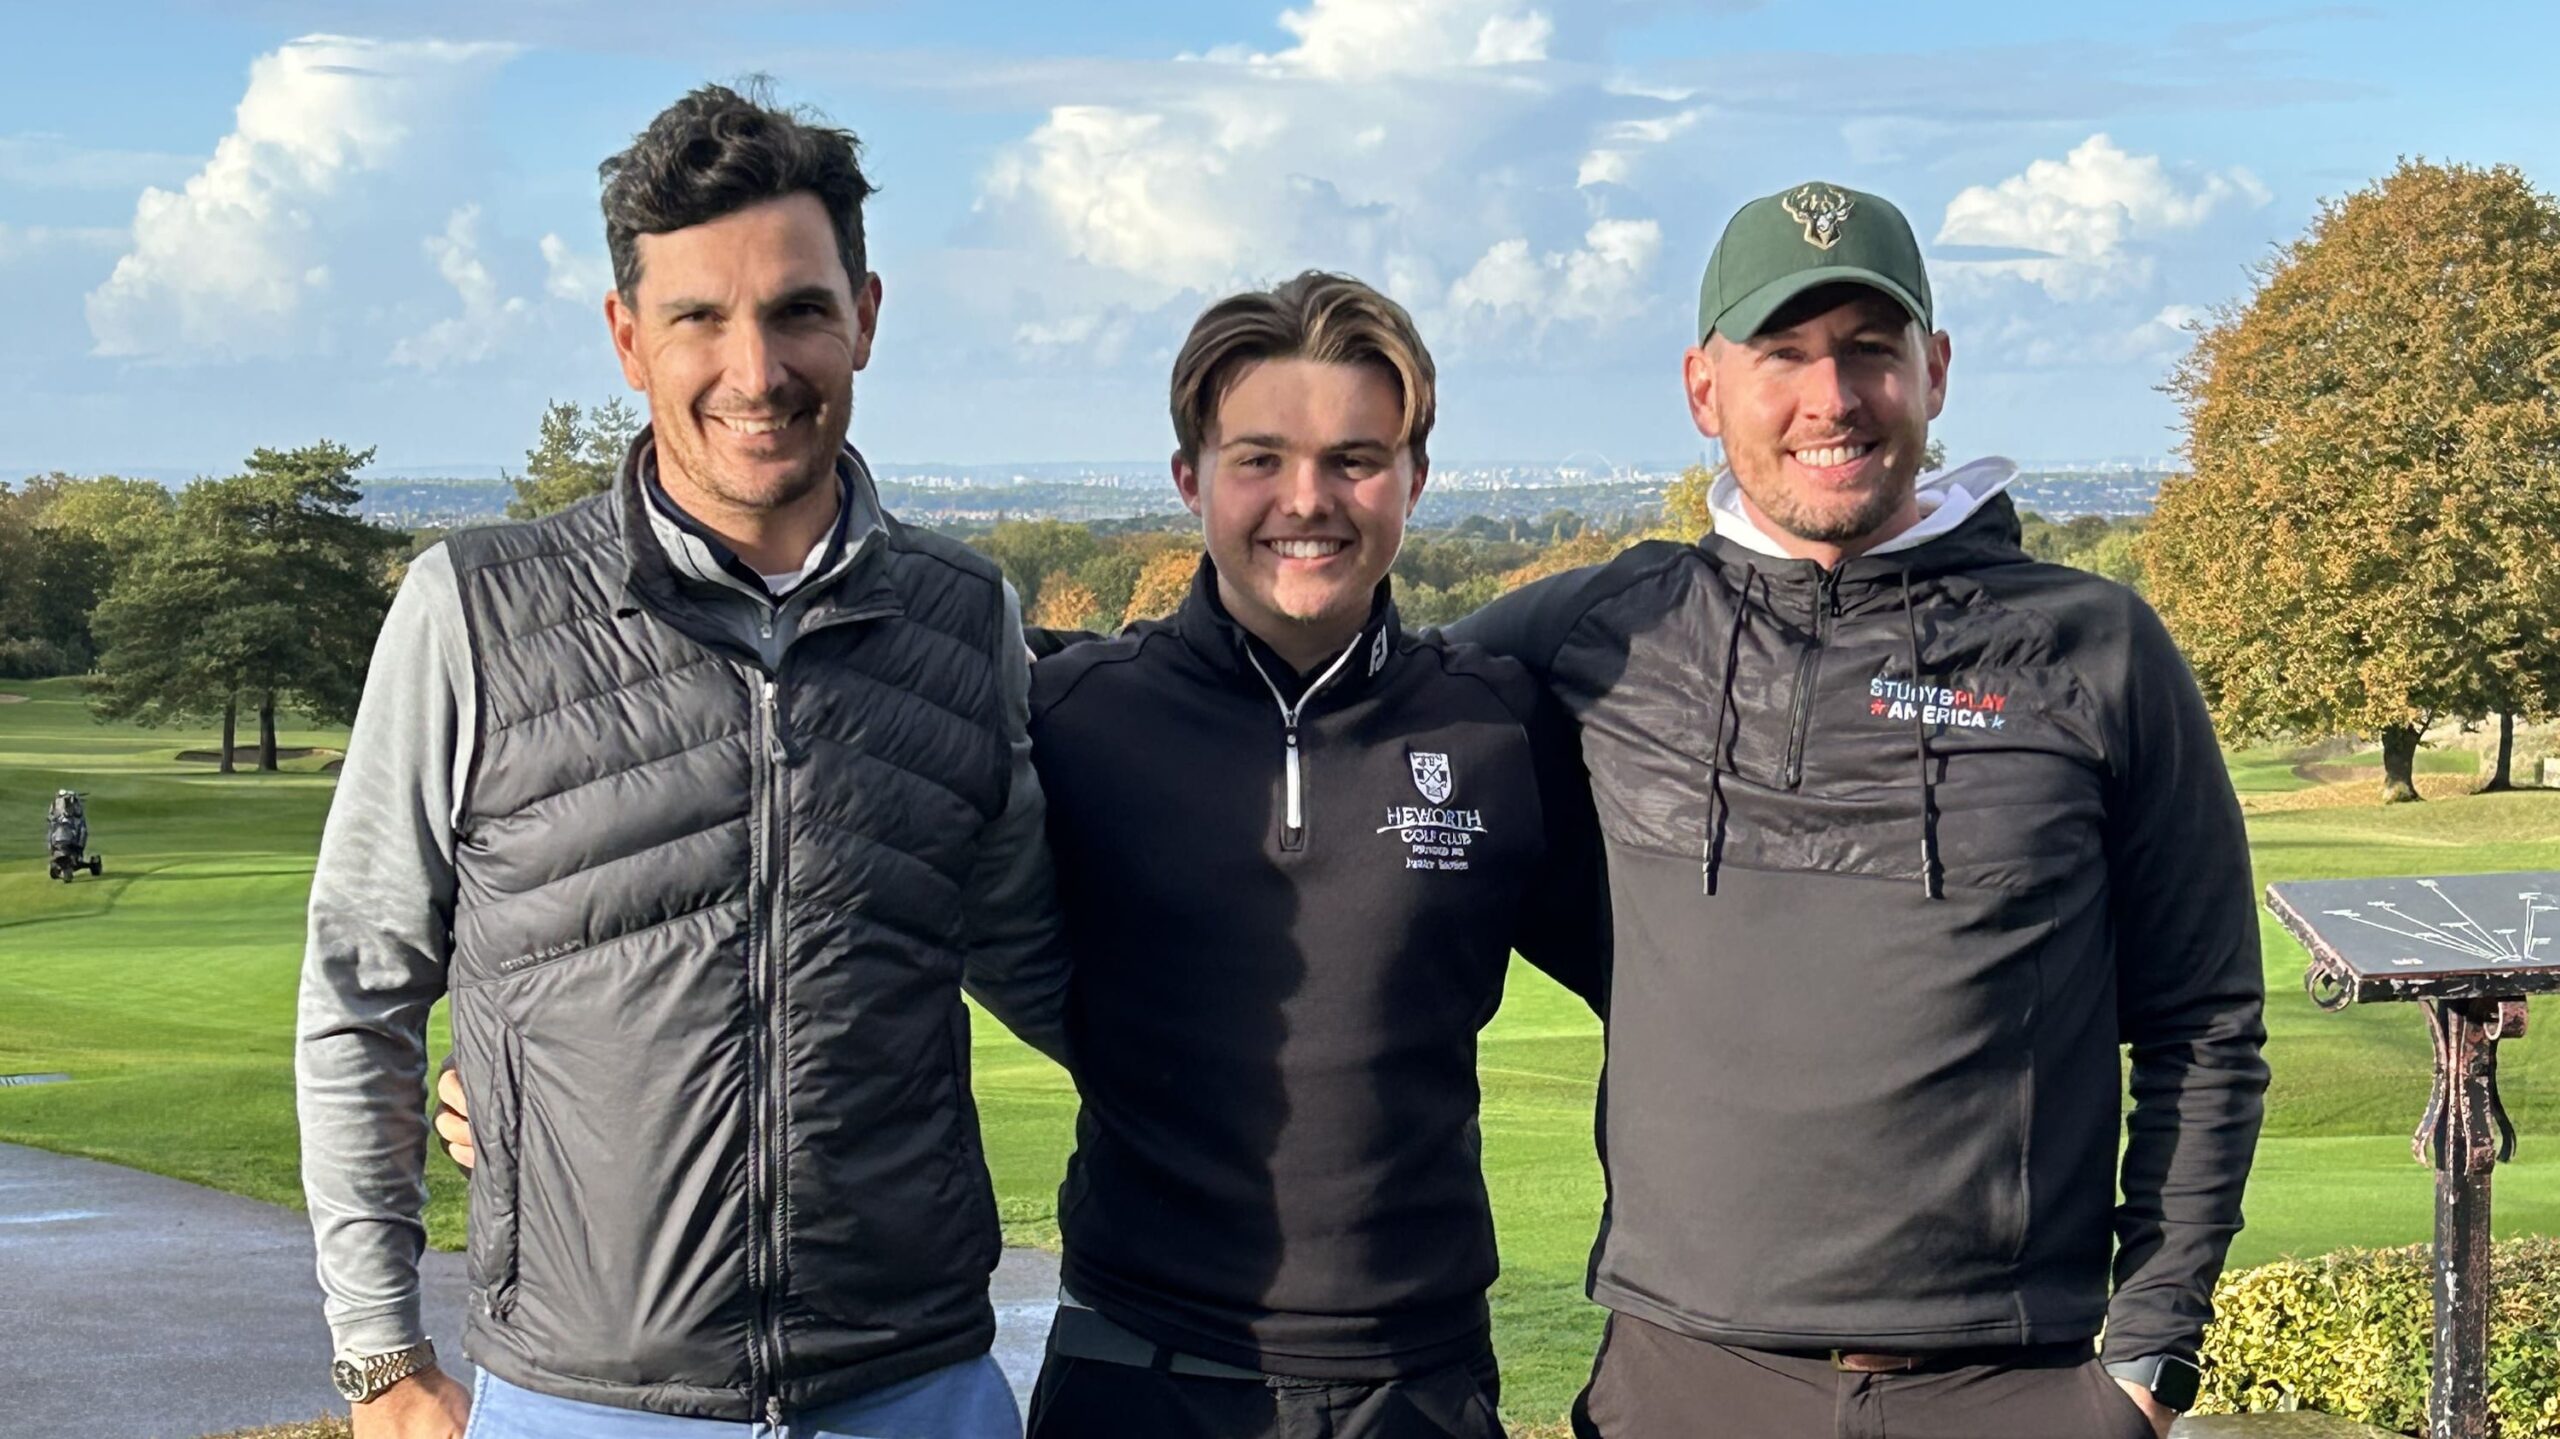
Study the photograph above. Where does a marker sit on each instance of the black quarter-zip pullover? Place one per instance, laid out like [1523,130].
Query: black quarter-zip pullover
[1291,910]
[1900,854]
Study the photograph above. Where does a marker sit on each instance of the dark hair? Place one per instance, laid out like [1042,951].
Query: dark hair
[1318,316]
[716,152]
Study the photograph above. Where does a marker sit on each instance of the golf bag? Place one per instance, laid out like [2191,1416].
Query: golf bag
[66,838]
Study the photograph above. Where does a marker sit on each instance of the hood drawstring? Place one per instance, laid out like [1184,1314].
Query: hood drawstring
[1719,753]
[1930,881]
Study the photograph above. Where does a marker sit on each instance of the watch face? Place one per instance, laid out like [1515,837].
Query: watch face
[349,1379]
[2177,1385]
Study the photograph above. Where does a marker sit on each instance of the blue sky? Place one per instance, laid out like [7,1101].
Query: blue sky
[269,221]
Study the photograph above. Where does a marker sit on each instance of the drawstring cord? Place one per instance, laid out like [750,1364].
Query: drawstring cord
[1930,883]
[1718,751]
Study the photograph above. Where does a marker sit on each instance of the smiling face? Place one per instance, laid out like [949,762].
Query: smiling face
[1824,416]
[745,332]
[1302,486]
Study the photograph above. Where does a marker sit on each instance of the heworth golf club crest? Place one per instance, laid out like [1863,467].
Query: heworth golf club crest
[1430,775]
[1434,838]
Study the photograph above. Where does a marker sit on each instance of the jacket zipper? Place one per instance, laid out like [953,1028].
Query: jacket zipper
[1293,826]
[771,1098]
[764,980]
[1826,604]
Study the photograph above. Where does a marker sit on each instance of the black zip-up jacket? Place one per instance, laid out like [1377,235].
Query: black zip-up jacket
[1898,855]
[1291,903]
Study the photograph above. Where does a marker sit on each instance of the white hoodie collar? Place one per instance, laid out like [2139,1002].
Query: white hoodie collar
[1947,499]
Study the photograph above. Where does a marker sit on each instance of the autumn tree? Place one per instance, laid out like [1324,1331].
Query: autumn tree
[1684,505]
[1067,603]
[1029,551]
[577,455]
[1163,584]
[2369,538]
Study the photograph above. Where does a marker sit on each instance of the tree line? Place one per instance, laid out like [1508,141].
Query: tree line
[263,591]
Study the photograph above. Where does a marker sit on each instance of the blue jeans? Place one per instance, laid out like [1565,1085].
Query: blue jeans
[968,1400]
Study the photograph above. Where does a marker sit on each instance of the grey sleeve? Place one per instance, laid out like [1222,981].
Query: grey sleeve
[1017,960]
[381,928]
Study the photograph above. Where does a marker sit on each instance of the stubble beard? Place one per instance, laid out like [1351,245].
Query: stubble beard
[1860,517]
[705,473]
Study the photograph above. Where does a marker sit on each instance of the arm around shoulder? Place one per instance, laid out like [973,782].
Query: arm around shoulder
[1017,959]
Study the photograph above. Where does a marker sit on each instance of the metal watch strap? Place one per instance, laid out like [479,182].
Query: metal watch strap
[362,1379]
[2166,1377]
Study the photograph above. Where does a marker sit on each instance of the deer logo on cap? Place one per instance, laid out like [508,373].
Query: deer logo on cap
[1822,211]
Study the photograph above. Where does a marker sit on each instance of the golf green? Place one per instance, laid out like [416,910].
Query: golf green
[166,989]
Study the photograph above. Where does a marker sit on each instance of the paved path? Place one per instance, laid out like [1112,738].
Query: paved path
[137,1307]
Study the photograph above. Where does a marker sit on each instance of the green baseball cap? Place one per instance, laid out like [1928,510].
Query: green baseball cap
[1779,246]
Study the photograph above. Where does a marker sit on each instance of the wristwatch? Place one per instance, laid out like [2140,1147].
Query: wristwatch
[2171,1380]
[361,1378]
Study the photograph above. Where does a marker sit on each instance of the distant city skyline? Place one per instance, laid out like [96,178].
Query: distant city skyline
[239,225]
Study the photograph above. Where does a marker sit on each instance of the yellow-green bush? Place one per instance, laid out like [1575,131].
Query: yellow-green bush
[2349,1334]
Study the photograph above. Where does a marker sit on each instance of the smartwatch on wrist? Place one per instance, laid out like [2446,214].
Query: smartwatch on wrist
[2171,1381]
[361,1378]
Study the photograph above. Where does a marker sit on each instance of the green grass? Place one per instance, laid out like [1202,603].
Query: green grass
[166,989]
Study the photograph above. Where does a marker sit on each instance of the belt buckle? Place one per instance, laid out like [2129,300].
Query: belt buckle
[1851,1362]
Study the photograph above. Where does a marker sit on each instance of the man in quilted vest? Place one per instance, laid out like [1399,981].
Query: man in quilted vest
[701,799]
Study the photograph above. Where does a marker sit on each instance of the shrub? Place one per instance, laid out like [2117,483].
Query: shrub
[2348,1334]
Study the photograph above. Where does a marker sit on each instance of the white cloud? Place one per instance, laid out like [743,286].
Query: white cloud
[2082,213]
[1599,283]
[477,332]
[582,277]
[1604,167]
[1238,167]
[1133,192]
[223,267]
[1612,161]
[1352,38]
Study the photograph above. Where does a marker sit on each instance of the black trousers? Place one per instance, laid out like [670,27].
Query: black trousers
[1081,1398]
[1650,1383]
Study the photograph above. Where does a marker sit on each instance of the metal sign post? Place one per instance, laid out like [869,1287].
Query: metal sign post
[2470,948]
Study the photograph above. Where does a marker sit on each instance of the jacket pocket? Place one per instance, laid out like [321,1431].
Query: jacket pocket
[493,1081]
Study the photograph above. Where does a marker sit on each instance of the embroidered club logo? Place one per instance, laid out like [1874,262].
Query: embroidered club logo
[1822,210]
[1430,775]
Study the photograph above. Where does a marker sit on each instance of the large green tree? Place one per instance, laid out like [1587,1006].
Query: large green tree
[577,455]
[2369,538]
[263,590]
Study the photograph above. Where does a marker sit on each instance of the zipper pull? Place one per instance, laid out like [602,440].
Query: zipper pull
[774,747]
[773,1414]
[1297,814]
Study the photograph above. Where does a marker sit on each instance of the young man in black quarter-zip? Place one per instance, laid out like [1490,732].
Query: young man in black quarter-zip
[1907,833]
[1296,847]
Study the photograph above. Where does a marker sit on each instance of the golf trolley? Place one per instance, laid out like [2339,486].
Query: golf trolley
[66,838]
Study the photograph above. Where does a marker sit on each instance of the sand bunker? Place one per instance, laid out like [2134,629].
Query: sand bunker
[244,754]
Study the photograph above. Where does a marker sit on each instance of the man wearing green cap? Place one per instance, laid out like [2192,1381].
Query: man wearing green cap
[1907,834]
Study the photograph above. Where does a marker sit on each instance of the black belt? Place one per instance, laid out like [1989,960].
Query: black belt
[1079,1333]
[2007,1356]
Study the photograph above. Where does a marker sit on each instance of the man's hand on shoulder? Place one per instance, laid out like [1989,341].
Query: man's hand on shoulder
[429,1404]
[2160,1415]
[453,1118]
